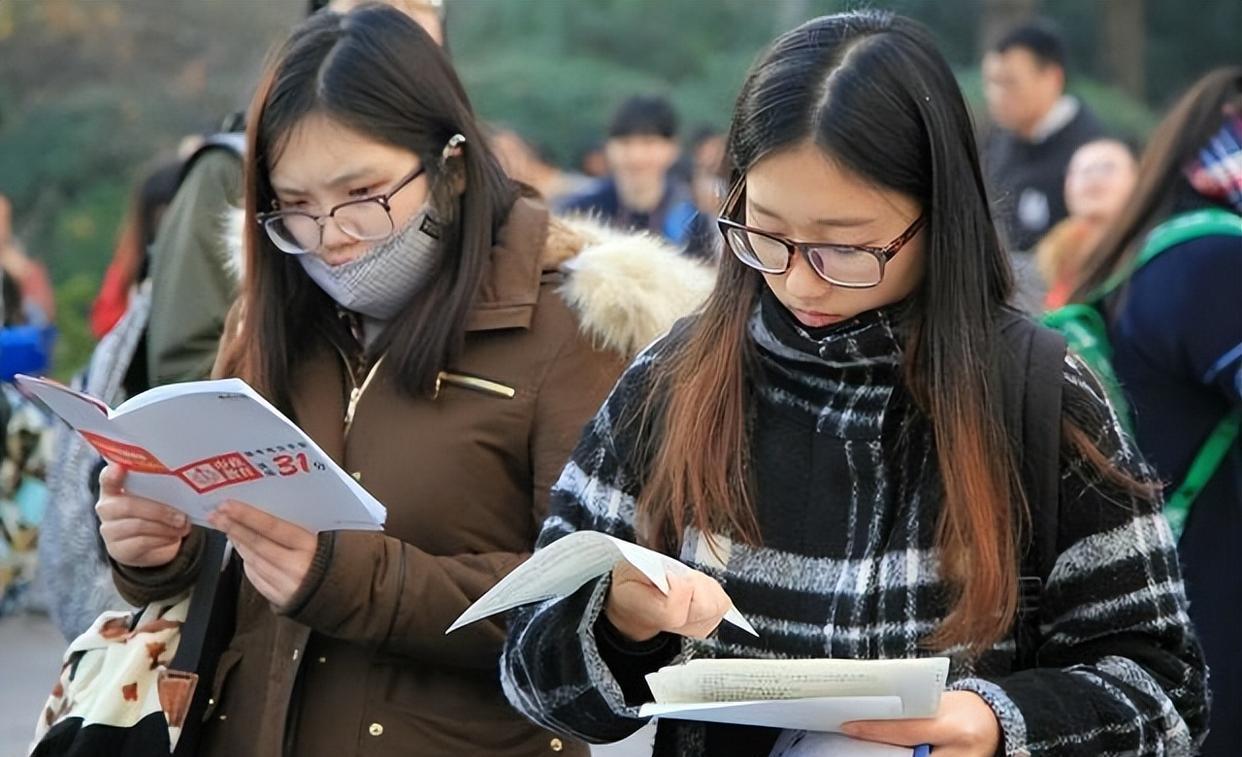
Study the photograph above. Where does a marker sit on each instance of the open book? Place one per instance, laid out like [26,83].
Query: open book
[811,695]
[194,445]
[568,563]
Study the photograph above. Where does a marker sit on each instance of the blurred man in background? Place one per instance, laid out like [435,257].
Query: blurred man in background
[640,192]
[1036,129]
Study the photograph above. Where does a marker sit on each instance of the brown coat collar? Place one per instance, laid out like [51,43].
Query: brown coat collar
[511,282]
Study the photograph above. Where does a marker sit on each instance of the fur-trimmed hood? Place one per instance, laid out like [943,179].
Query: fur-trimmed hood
[627,288]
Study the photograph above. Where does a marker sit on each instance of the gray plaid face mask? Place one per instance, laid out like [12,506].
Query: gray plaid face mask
[381,282]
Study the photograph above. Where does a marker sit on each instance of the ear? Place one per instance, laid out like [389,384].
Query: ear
[452,159]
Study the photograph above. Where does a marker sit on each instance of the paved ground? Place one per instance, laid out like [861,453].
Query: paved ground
[30,651]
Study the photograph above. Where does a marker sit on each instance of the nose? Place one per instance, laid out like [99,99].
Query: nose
[333,237]
[802,282]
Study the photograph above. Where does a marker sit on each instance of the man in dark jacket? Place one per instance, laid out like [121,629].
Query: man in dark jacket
[642,193]
[1037,127]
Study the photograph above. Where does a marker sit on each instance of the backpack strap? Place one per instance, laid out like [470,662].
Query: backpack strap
[1032,375]
[1202,468]
[232,142]
[206,631]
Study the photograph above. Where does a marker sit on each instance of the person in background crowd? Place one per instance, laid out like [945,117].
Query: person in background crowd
[639,192]
[442,338]
[707,187]
[1177,351]
[828,441]
[707,152]
[38,301]
[1036,127]
[1098,183]
[526,163]
[129,262]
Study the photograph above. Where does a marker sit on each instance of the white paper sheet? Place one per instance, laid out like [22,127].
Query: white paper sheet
[562,567]
[917,683]
[197,444]
[817,714]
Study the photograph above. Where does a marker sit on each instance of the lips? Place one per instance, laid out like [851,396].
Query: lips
[815,320]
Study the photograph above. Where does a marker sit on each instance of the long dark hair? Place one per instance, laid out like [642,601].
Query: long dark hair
[376,72]
[1161,184]
[871,90]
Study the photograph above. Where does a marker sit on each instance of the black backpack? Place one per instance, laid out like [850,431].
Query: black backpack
[1033,368]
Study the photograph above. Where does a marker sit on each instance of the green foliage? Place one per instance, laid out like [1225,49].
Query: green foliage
[74,341]
[93,90]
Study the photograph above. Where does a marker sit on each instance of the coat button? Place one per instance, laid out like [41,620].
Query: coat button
[376,729]
[556,745]
[295,655]
[323,660]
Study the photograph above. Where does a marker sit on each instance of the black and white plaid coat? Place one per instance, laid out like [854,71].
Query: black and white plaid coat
[848,494]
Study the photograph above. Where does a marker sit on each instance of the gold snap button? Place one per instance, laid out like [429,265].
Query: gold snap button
[376,729]
[556,745]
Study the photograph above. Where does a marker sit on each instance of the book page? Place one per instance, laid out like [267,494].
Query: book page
[822,714]
[565,565]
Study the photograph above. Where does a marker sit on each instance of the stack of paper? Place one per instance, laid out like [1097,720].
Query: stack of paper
[194,445]
[813,695]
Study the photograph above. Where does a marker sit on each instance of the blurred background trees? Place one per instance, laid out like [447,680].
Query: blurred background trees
[91,91]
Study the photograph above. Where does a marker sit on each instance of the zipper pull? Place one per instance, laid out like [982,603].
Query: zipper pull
[355,394]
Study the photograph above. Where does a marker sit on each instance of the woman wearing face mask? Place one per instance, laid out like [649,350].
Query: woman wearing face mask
[827,443]
[443,340]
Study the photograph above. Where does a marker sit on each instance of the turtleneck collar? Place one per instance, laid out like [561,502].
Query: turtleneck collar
[870,338]
[841,376]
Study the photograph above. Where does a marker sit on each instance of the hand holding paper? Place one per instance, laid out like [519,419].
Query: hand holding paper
[564,566]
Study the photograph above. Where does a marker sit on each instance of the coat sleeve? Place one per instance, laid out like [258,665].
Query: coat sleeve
[1119,668]
[192,279]
[141,586]
[554,668]
[374,589]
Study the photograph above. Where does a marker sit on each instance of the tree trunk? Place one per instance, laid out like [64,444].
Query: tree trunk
[999,16]
[1120,45]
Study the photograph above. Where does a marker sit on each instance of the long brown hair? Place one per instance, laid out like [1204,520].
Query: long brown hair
[378,73]
[1161,184]
[871,90]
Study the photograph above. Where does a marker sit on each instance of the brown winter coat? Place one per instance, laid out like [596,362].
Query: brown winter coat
[358,662]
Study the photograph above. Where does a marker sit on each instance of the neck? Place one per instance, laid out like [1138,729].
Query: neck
[1051,120]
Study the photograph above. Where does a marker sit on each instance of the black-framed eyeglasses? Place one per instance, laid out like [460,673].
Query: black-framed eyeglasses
[368,219]
[843,265]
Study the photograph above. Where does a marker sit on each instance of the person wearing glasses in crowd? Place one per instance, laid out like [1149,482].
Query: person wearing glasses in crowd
[444,340]
[827,442]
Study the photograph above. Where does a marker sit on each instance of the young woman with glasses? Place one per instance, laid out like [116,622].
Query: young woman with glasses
[444,340]
[826,444]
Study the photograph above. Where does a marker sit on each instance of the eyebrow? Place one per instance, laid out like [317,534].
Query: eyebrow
[349,177]
[848,222]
